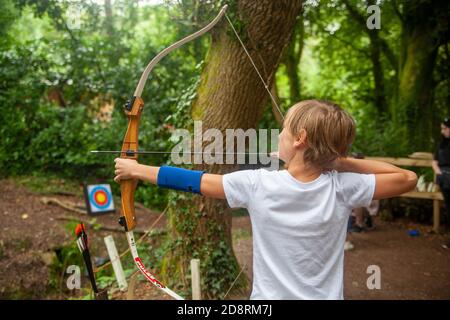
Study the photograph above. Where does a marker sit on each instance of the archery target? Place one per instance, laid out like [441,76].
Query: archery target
[99,198]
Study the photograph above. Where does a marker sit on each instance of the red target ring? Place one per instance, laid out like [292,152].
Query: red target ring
[100,197]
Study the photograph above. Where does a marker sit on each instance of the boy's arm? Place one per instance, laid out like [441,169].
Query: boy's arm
[211,184]
[390,181]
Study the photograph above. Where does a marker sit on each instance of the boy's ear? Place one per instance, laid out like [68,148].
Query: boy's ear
[301,138]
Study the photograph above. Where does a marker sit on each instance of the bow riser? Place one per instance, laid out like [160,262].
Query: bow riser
[133,110]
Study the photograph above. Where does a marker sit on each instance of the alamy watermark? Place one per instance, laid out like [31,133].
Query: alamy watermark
[74,280]
[214,146]
[374,20]
[374,280]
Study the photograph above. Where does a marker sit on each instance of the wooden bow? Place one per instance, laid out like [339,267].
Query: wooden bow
[133,110]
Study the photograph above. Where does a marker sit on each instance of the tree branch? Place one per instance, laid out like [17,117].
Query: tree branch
[358,17]
[389,53]
[397,11]
[351,45]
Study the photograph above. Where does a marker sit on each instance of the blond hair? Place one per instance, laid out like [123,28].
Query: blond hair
[330,130]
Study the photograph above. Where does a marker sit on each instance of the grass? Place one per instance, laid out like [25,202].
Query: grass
[48,184]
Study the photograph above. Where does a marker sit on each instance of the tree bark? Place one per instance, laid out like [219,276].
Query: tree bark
[422,25]
[230,95]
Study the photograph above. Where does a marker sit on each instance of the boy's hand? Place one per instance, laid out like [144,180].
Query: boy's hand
[125,169]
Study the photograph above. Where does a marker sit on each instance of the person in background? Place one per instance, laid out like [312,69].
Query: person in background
[361,218]
[441,167]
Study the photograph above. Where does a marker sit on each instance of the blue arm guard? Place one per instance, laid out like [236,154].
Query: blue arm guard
[179,179]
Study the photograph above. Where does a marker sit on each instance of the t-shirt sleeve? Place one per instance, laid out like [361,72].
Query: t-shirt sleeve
[239,187]
[357,189]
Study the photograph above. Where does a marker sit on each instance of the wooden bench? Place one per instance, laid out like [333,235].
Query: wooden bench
[435,196]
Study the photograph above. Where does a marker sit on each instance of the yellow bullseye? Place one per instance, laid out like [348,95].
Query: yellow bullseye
[100,197]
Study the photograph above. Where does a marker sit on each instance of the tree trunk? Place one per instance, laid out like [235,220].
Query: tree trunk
[292,60]
[420,42]
[230,95]
[378,74]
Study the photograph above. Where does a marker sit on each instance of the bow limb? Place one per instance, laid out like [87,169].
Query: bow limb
[162,54]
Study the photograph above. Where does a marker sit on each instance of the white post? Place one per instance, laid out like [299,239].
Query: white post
[116,263]
[195,279]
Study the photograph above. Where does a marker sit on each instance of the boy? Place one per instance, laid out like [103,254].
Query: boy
[299,215]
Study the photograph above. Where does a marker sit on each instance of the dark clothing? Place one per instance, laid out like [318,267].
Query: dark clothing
[442,156]
[443,180]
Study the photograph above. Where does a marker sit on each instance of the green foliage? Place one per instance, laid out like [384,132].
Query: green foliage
[102,61]
[336,64]
[56,79]
[377,136]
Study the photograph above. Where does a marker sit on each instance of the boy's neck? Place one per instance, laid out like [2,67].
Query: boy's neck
[302,171]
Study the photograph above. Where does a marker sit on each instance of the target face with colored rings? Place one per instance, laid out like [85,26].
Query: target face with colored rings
[99,198]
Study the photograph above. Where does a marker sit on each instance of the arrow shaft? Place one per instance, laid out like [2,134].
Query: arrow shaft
[170,152]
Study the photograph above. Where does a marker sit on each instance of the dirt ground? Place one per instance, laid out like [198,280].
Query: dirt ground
[411,267]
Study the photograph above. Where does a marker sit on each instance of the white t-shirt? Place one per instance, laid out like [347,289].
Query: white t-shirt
[298,228]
